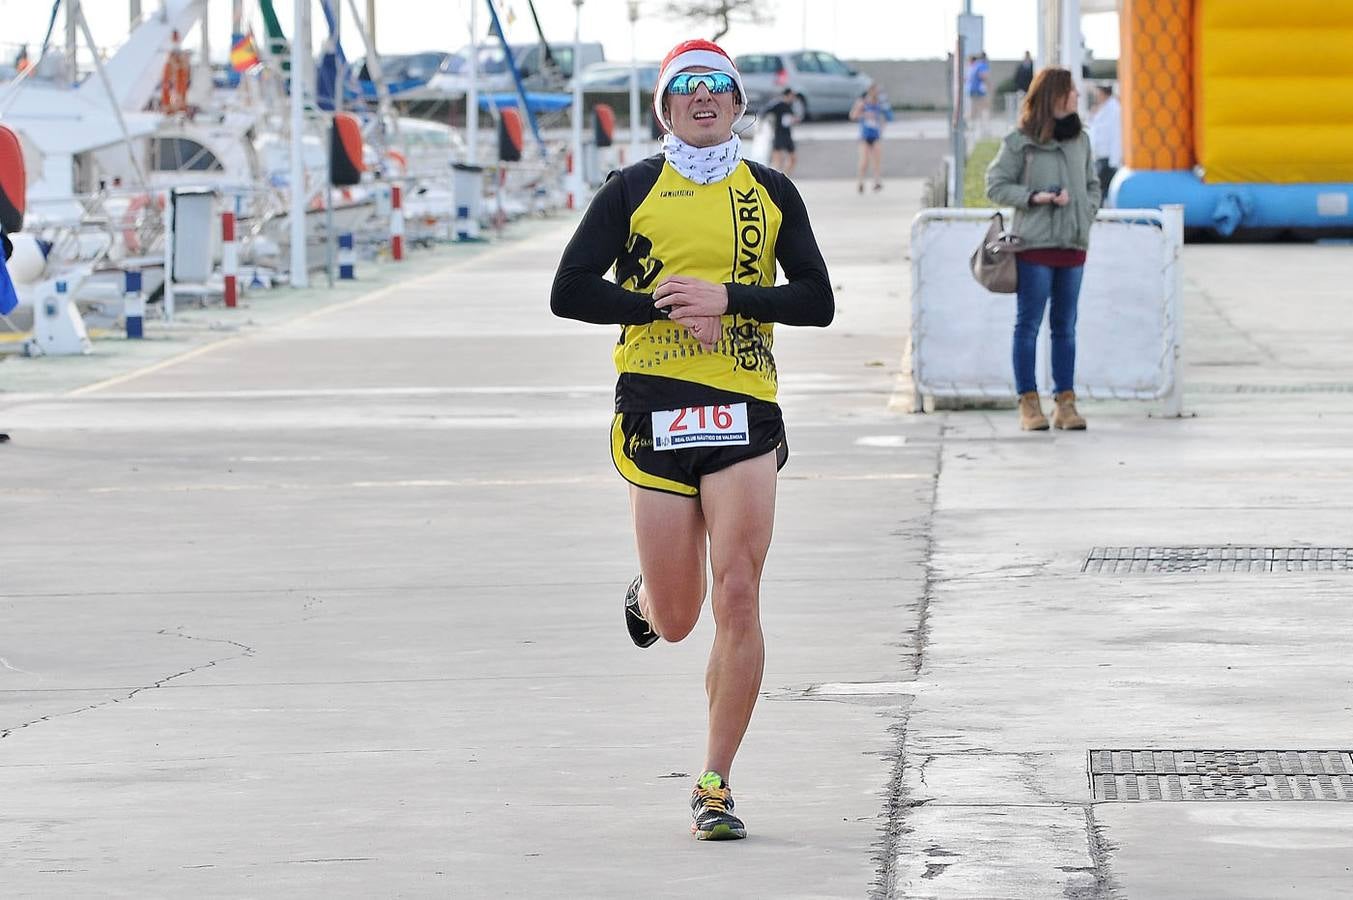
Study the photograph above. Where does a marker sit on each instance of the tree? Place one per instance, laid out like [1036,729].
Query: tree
[723,13]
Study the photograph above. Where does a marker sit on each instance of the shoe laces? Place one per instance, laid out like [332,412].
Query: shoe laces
[713,799]
[712,793]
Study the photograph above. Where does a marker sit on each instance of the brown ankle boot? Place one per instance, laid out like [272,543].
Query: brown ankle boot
[1064,416]
[1031,416]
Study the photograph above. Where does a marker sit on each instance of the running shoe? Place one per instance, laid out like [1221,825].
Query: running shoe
[641,632]
[712,816]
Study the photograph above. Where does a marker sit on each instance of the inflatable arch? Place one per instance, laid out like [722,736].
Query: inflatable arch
[1241,110]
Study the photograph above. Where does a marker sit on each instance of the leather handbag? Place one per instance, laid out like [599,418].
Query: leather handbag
[993,262]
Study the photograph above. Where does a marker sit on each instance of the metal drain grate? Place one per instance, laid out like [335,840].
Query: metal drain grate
[1322,387]
[1221,774]
[1202,560]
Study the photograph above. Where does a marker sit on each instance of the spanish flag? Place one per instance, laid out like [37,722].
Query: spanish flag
[243,53]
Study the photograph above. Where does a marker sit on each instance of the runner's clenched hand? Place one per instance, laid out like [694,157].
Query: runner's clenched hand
[705,329]
[684,298]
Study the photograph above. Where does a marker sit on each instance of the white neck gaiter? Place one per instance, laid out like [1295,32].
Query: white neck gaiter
[703,165]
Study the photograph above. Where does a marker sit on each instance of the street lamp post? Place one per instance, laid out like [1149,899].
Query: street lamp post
[575,178]
[634,85]
[300,66]
[472,90]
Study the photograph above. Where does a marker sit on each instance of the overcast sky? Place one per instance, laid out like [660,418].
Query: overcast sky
[853,29]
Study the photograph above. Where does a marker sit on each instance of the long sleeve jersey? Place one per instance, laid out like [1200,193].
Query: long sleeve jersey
[649,222]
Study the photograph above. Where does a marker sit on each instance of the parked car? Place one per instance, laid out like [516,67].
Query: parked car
[495,75]
[409,67]
[614,77]
[532,62]
[825,86]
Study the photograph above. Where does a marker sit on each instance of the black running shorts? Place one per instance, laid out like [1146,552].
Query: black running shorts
[679,471]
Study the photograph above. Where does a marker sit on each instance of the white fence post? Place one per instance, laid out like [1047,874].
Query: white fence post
[1172,221]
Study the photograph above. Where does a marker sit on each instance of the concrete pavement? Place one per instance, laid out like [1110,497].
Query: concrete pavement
[332,609]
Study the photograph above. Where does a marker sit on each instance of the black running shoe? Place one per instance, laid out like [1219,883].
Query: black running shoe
[712,816]
[641,632]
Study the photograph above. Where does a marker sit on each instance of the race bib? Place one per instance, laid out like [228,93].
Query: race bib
[700,426]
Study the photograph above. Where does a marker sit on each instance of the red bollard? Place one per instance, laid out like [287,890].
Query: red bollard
[568,178]
[229,258]
[396,223]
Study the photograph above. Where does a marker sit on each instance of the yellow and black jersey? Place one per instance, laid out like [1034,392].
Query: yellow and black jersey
[649,222]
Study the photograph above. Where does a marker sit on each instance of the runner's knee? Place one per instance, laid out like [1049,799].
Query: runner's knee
[673,613]
[737,599]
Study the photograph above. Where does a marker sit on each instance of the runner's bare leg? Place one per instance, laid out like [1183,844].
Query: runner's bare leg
[670,533]
[739,511]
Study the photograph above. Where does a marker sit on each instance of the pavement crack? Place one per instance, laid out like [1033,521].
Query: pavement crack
[1218,310]
[247,652]
[896,800]
[1104,886]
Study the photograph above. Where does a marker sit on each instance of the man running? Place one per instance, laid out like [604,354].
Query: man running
[783,117]
[694,235]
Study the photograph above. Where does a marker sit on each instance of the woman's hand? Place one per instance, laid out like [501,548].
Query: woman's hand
[689,298]
[705,329]
[1061,198]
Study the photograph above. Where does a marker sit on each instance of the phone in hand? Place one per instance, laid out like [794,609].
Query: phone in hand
[1054,189]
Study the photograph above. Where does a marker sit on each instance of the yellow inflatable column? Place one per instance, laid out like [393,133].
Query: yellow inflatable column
[1273,90]
[1155,83]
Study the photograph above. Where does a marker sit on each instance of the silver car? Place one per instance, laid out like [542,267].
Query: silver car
[825,86]
[615,77]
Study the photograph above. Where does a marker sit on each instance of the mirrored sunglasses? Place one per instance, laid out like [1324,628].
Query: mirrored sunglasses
[714,82]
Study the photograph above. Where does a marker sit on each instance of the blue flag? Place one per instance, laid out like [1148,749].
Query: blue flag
[8,299]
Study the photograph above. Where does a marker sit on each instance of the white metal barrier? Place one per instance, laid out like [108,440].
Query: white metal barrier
[1127,332]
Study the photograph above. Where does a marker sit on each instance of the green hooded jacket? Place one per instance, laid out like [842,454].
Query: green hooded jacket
[1070,164]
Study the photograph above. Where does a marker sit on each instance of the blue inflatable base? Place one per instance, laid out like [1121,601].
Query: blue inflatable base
[1228,208]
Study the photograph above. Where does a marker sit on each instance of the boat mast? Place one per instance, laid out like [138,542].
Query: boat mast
[300,66]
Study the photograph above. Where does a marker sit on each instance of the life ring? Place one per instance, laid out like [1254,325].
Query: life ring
[397,159]
[131,239]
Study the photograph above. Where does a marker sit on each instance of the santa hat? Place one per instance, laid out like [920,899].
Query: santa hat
[689,54]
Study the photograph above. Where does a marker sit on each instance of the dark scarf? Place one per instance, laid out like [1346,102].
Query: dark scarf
[1066,128]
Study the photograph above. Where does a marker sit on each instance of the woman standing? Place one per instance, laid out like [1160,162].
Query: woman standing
[871,112]
[1045,169]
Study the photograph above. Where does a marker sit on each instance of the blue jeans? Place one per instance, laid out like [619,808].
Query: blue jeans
[1036,284]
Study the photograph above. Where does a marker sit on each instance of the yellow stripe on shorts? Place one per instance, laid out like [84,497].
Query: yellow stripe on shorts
[637,476]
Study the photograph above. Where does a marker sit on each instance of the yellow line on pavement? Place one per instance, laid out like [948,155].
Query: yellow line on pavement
[377,294]
[152,368]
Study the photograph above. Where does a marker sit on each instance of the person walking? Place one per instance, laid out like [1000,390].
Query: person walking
[871,112]
[783,116]
[697,431]
[1106,134]
[1045,169]
[979,91]
[1024,73]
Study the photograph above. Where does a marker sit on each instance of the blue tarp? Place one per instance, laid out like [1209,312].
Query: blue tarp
[535,102]
[8,299]
[367,89]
